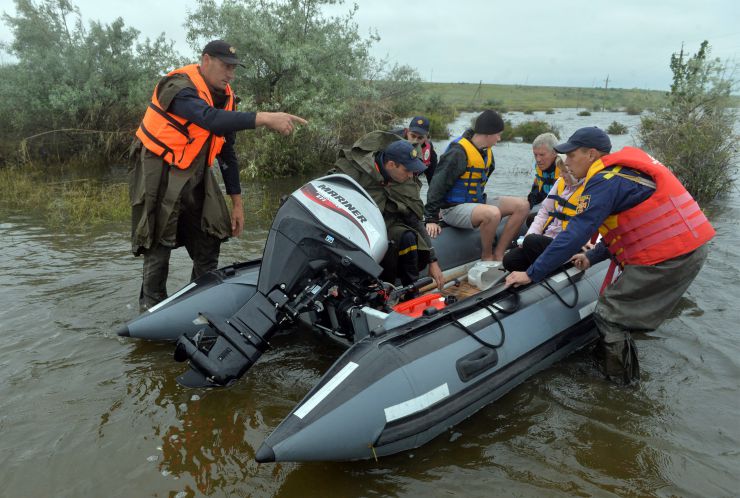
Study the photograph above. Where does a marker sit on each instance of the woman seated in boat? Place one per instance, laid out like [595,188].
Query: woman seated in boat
[552,218]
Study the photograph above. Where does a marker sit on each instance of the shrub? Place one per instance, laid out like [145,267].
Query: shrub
[633,110]
[440,115]
[90,83]
[438,124]
[508,134]
[693,135]
[584,113]
[550,111]
[528,130]
[98,78]
[616,129]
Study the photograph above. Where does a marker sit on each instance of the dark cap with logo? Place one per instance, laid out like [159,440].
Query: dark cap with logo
[405,153]
[419,125]
[222,50]
[590,137]
[488,123]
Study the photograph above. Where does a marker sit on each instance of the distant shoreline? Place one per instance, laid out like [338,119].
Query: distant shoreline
[474,97]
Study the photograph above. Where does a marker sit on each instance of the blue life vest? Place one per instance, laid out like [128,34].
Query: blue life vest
[469,186]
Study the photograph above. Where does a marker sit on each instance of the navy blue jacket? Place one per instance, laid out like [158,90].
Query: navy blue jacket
[188,105]
[604,198]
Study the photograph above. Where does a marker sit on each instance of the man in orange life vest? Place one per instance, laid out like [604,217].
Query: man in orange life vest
[651,227]
[175,199]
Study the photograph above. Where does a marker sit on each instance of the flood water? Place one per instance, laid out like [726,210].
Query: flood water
[86,413]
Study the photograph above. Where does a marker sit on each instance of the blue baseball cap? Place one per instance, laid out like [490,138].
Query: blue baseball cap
[405,153]
[419,125]
[590,137]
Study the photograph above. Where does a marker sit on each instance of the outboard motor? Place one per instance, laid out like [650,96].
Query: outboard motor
[327,240]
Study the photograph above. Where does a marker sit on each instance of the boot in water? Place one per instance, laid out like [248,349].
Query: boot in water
[618,360]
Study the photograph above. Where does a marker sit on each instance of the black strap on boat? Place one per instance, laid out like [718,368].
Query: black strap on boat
[465,329]
[547,286]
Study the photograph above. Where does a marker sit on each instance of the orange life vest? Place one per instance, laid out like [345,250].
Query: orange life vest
[666,225]
[174,139]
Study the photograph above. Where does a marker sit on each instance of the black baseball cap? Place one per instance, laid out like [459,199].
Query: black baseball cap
[222,50]
[405,153]
[590,137]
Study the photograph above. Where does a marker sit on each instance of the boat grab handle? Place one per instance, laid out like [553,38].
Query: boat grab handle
[547,286]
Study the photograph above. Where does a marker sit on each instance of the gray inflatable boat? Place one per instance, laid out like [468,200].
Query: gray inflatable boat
[412,368]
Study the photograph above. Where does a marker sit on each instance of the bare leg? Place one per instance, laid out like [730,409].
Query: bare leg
[487,218]
[517,209]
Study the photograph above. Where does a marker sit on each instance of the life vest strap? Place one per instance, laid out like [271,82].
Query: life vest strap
[165,148]
[559,215]
[562,201]
[609,278]
[171,121]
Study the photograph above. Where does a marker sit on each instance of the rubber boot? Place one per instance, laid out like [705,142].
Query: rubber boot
[617,359]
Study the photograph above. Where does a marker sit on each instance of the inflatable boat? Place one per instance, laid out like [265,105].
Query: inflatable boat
[412,368]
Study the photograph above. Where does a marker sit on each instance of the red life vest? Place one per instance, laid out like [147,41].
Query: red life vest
[666,225]
[426,153]
[174,139]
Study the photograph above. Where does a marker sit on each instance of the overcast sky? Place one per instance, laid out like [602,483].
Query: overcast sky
[535,42]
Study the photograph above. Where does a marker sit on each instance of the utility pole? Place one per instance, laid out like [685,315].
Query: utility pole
[606,88]
[477,93]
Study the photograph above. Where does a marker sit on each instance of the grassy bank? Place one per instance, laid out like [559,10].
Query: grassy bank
[471,96]
[68,202]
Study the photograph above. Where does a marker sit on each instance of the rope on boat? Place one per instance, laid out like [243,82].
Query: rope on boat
[487,344]
[547,286]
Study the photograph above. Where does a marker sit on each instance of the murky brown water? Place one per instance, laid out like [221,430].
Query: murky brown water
[85,413]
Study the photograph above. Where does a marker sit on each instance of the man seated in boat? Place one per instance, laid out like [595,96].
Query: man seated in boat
[387,167]
[651,228]
[417,132]
[547,167]
[456,194]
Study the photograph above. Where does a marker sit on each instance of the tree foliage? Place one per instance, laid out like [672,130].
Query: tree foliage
[83,87]
[300,61]
[90,81]
[694,134]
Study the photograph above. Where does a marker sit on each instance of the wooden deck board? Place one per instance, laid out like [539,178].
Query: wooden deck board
[462,291]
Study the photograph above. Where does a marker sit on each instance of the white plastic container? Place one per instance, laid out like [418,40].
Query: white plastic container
[483,277]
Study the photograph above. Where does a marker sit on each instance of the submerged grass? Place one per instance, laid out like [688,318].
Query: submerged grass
[71,203]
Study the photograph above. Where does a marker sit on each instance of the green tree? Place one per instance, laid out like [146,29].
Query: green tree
[300,61]
[76,88]
[694,134]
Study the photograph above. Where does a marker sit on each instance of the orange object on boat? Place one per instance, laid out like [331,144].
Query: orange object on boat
[415,307]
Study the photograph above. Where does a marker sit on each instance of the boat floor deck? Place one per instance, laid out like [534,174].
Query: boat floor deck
[463,290]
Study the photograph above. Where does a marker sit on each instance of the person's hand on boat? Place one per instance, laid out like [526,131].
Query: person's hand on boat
[436,273]
[517,278]
[580,261]
[237,215]
[281,122]
[433,229]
